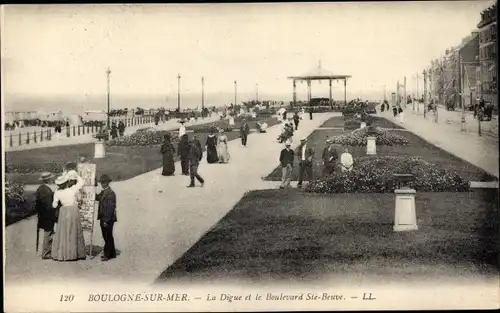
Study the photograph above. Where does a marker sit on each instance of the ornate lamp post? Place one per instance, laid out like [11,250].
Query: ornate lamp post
[202,92]
[179,92]
[108,74]
[235,91]
[425,93]
[257,92]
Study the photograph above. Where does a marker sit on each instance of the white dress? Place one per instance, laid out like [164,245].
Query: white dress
[346,162]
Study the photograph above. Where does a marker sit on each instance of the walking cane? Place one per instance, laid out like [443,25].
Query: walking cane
[37,237]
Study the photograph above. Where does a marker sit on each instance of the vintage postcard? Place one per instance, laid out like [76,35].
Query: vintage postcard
[250,156]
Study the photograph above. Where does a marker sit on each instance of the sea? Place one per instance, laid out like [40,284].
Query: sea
[79,104]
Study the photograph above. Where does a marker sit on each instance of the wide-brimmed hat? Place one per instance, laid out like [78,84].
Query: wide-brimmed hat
[288,143]
[105,178]
[303,139]
[46,175]
[61,180]
[182,121]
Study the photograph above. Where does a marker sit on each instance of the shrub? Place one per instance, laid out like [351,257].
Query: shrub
[144,138]
[352,123]
[14,194]
[359,138]
[374,174]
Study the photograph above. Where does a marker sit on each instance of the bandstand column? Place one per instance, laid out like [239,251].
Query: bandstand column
[331,92]
[309,92]
[294,93]
[345,91]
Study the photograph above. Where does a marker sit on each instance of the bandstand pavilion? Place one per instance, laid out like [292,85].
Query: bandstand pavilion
[319,74]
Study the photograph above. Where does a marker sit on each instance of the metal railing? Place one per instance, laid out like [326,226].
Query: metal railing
[21,138]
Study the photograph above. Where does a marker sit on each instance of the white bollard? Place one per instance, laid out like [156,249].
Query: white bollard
[363,124]
[371,145]
[99,150]
[405,217]
[231,121]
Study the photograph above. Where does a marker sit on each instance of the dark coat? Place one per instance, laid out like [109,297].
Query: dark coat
[309,154]
[286,157]
[244,129]
[183,147]
[330,154]
[47,216]
[195,152]
[107,205]
[168,151]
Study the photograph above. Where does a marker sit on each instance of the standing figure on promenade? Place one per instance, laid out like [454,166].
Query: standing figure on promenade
[121,128]
[107,216]
[68,243]
[286,161]
[311,113]
[183,151]
[222,149]
[168,151]
[211,145]
[394,111]
[401,115]
[157,119]
[114,131]
[306,156]
[296,119]
[244,131]
[182,129]
[46,214]
[195,156]
[330,157]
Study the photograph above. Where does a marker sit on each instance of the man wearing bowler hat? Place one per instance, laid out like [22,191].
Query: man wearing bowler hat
[46,214]
[107,217]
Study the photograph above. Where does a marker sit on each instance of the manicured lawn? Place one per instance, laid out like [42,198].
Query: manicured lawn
[272,235]
[121,162]
[417,147]
[338,121]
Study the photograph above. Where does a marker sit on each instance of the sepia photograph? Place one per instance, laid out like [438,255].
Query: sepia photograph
[239,157]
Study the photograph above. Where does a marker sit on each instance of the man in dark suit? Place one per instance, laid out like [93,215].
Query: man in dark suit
[330,157]
[296,119]
[244,131]
[306,156]
[195,155]
[107,216]
[46,214]
[286,161]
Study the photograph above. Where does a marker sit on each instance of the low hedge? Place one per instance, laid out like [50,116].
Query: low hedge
[358,138]
[374,174]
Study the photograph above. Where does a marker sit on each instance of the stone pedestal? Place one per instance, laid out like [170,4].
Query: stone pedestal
[405,216]
[371,146]
[231,121]
[363,124]
[99,150]
[254,115]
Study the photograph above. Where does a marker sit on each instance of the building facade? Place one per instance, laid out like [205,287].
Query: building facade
[488,56]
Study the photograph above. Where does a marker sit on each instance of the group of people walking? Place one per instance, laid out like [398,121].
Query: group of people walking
[117,130]
[305,156]
[59,216]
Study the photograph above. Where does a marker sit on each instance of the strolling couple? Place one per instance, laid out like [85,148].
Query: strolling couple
[66,243]
[190,153]
[217,150]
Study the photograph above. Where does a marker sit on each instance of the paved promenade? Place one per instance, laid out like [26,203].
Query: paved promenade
[158,217]
[480,151]
[87,138]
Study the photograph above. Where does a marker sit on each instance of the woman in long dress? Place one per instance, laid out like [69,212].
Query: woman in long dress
[69,243]
[222,149]
[212,148]
[168,151]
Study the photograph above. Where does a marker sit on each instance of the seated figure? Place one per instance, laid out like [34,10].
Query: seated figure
[346,161]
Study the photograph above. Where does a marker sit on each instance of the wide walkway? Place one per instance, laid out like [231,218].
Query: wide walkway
[480,151]
[158,217]
[87,138]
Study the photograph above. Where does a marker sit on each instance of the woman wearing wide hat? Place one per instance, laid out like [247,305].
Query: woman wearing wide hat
[69,243]
[168,152]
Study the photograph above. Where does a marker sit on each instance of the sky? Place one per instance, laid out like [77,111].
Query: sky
[66,49]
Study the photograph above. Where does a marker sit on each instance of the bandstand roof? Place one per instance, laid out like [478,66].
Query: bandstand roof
[319,73]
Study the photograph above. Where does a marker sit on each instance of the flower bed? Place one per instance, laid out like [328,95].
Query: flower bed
[374,174]
[18,203]
[359,138]
[143,138]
